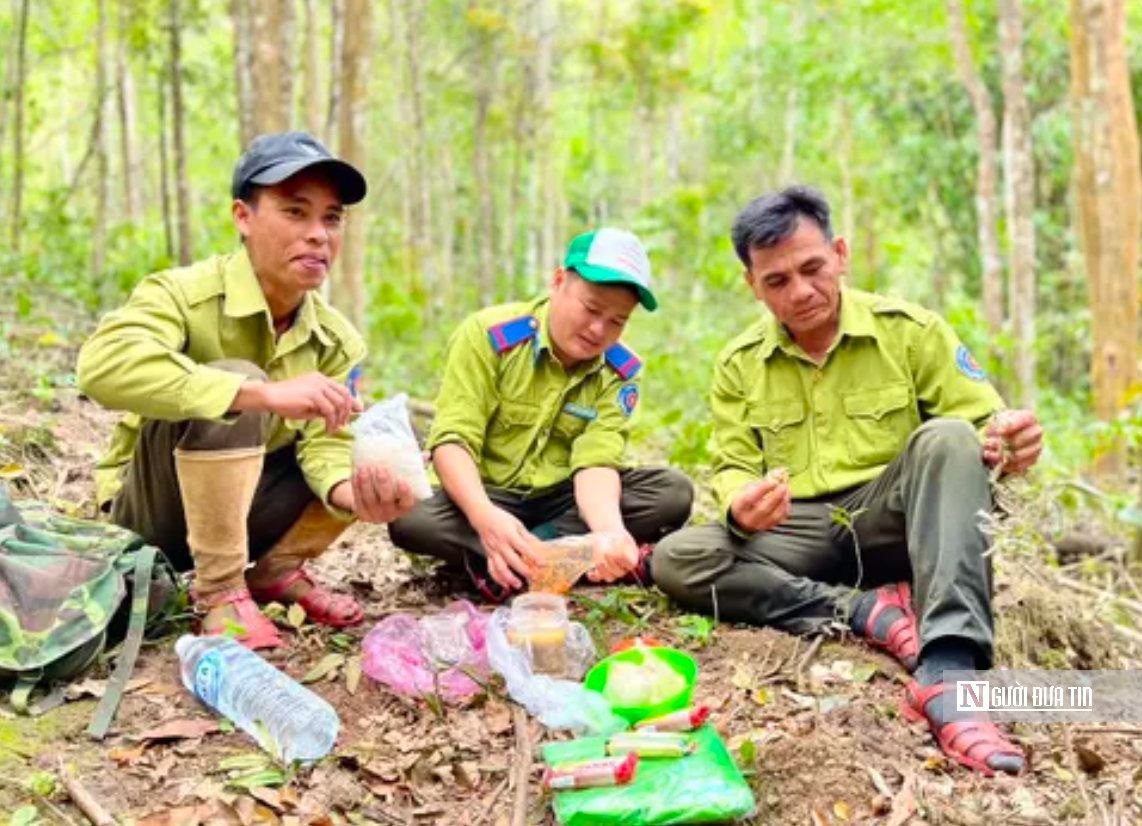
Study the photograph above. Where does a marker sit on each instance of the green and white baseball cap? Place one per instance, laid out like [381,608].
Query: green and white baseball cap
[611,256]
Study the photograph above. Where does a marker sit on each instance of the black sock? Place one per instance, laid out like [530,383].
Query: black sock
[945,654]
[862,606]
[955,654]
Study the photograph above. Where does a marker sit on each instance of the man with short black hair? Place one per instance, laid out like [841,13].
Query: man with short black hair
[237,376]
[854,436]
[532,423]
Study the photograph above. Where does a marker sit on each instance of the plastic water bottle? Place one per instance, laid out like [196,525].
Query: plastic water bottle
[287,719]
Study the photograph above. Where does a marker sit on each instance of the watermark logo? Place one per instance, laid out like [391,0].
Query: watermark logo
[1046,696]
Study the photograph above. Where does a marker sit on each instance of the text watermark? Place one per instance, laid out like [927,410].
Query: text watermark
[1009,696]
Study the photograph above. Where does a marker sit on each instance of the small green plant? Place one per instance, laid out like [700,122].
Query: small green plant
[695,628]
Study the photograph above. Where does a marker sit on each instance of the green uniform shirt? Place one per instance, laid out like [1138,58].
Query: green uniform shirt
[837,425]
[528,423]
[150,357]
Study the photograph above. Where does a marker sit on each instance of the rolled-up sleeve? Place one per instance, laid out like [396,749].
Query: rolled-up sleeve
[737,456]
[603,443]
[468,392]
[134,361]
[326,459]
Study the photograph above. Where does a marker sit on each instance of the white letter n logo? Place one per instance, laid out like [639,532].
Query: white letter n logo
[971,695]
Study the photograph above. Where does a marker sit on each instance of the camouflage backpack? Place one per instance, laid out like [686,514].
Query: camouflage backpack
[63,584]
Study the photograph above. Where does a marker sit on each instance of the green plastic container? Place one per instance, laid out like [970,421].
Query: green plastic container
[679,661]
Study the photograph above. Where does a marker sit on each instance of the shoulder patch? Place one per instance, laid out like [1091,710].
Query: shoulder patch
[623,361]
[966,364]
[628,399]
[513,332]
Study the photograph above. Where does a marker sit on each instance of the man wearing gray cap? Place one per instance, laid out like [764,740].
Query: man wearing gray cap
[237,380]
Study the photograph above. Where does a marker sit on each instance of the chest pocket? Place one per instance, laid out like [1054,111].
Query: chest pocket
[514,415]
[569,426]
[780,428]
[879,421]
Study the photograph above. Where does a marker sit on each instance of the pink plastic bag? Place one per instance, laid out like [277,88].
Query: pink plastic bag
[432,654]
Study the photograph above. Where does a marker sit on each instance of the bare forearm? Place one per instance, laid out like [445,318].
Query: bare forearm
[251,396]
[598,491]
[460,479]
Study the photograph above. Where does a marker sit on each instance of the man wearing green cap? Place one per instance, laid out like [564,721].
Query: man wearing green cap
[235,375]
[532,423]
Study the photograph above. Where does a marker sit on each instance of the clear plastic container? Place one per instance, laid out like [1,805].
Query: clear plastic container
[287,719]
[538,625]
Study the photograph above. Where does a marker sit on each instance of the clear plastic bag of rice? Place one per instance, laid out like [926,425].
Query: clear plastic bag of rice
[383,436]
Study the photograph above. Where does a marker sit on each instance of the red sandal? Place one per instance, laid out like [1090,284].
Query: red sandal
[969,742]
[321,605]
[257,629]
[902,641]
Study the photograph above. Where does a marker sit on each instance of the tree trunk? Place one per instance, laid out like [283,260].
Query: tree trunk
[336,48]
[312,70]
[6,84]
[348,289]
[483,73]
[18,136]
[1109,189]
[243,70]
[987,174]
[128,137]
[269,83]
[287,34]
[164,166]
[1020,200]
[423,254]
[845,160]
[182,184]
[99,234]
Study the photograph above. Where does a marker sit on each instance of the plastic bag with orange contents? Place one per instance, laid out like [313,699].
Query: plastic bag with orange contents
[565,560]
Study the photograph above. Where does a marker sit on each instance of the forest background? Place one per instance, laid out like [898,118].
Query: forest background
[981,157]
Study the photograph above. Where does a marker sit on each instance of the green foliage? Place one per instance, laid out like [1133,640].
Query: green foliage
[664,116]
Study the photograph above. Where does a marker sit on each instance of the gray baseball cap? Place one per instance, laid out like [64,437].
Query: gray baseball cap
[270,159]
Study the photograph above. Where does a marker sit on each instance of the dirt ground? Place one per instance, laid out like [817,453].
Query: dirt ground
[814,727]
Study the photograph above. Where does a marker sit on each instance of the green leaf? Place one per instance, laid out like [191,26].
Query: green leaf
[23,305]
[25,816]
[295,616]
[748,752]
[245,762]
[353,674]
[329,663]
[267,777]
[863,673]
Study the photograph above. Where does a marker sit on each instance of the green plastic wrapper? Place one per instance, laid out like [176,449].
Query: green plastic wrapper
[703,787]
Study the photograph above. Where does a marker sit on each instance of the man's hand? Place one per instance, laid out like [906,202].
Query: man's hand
[374,494]
[762,505]
[1013,441]
[312,396]
[511,549]
[616,555]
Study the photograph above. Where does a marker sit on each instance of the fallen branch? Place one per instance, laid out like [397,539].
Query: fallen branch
[521,770]
[1132,604]
[489,804]
[803,663]
[84,800]
[1073,762]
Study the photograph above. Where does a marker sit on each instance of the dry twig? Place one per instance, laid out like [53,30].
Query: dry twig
[521,770]
[1076,770]
[82,798]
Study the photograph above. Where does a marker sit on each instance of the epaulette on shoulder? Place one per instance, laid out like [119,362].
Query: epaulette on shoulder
[623,360]
[753,336]
[513,332]
[886,305]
